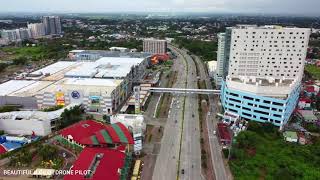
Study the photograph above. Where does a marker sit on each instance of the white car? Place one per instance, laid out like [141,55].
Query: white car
[214,132]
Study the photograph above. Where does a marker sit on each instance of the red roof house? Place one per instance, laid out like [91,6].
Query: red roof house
[305,100]
[103,163]
[310,89]
[224,134]
[91,132]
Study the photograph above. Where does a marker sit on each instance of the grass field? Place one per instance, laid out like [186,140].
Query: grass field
[28,52]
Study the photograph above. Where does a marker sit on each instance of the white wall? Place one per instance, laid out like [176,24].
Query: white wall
[25,127]
[272,52]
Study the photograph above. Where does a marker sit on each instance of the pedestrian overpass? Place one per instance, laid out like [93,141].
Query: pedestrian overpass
[184,91]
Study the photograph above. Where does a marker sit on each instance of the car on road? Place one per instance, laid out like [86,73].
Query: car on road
[182,171]
[193,115]
[214,132]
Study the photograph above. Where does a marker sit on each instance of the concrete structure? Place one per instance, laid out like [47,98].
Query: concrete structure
[135,123]
[29,122]
[183,91]
[155,46]
[304,103]
[4,42]
[10,35]
[222,56]
[307,116]
[264,102]
[265,68]
[52,25]
[93,55]
[16,34]
[23,34]
[37,30]
[212,68]
[121,49]
[268,51]
[290,136]
[102,86]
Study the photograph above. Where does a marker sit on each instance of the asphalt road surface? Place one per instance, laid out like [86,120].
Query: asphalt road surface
[182,128]
[174,158]
[166,163]
[220,170]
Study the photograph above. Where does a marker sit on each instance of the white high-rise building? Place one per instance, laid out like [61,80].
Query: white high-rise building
[37,30]
[155,46]
[268,51]
[222,57]
[264,67]
[10,35]
[23,34]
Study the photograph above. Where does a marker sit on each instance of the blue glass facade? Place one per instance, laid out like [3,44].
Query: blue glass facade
[259,108]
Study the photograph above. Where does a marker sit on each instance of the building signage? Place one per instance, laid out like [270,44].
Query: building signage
[136,91]
[60,99]
[75,94]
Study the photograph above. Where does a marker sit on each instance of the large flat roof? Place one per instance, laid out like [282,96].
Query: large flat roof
[90,82]
[106,67]
[54,68]
[104,86]
[31,89]
[13,85]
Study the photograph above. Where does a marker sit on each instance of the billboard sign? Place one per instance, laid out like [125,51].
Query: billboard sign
[94,103]
[75,96]
[60,99]
[136,91]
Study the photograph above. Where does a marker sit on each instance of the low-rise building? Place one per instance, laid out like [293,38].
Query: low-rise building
[290,136]
[30,122]
[134,122]
[307,116]
[304,103]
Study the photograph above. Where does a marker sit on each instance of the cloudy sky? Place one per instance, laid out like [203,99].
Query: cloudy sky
[302,7]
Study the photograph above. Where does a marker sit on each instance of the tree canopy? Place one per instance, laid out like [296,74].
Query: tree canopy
[261,153]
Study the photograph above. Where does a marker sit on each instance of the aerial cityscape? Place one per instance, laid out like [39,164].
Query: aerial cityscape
[160,90]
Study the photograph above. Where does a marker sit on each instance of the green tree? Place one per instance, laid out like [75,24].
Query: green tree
[247,139]
[48,152]
[71,116]
[20,61]
[106,119]
[3,66]
[284,173]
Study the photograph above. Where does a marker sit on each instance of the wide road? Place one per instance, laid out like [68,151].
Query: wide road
[190,159]
[166,164]
[220,170]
